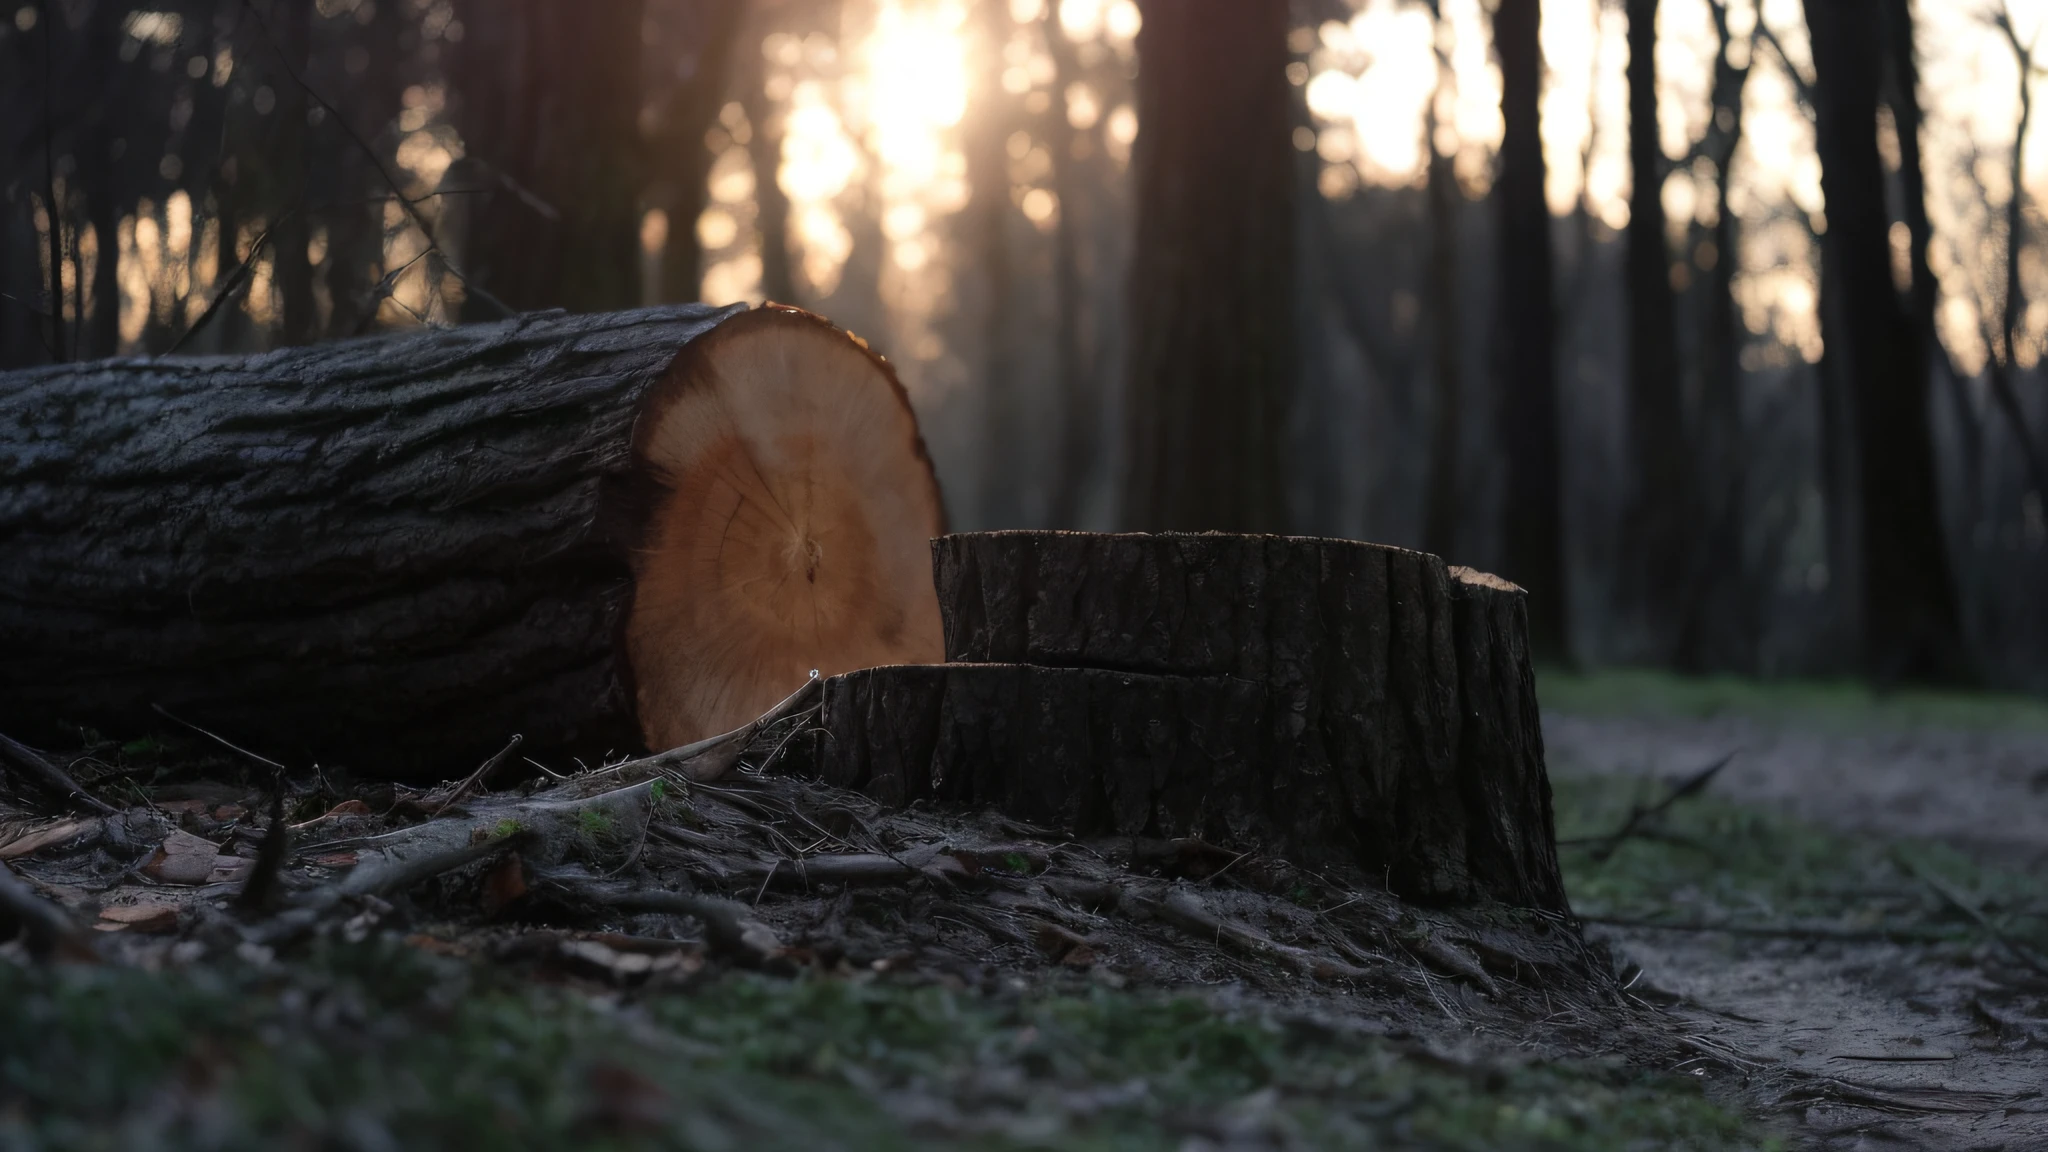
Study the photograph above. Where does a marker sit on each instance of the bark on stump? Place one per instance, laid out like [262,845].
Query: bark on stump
[1322,699]
[602,532]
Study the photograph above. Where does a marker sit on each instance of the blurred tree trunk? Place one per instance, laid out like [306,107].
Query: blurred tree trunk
[548,98]
[299,318]
[1080,408]
[988,181]
[1716,628]
[1911,624]
[682,158]
[99,178]
[1212,276]
[764,148]
[355,236]
[1661,523]
[1533,531]
[1441,508]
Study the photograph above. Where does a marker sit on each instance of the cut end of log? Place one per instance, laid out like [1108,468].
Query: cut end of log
[789,527]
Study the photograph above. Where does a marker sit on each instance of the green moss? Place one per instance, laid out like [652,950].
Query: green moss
[1838,705]
[375,1045]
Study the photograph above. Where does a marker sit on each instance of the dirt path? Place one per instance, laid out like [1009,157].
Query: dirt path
[1858,1044]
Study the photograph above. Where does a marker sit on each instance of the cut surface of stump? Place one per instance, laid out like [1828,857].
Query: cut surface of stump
[791,529]
[602,532]
[1350,701]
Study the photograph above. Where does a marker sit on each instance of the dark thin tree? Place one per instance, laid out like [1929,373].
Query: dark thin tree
[1441,504]
[1212,319]
[683,161]
[1660,521]
[1533,529]
[548,104]
[1910,624]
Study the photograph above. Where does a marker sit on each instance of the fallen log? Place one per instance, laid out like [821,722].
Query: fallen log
[605,533]
[1321,700]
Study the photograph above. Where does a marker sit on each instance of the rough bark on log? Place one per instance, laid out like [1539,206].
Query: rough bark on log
[393,553]
[1318,698]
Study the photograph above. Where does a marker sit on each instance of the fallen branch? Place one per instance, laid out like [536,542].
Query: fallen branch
[1605,846]
[713,756]
[38,767]
[1961,903]
[729,926]
[387,873]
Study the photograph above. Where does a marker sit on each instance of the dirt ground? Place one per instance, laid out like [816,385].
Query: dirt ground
[1946,1050]
[1851,947]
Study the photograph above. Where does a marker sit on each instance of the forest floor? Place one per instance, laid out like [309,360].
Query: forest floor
[1859,897]
[1853,918]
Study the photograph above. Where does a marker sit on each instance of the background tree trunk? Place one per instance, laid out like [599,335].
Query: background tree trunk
[291,222]
[1080,406]
[548,96]
[683,161]
[764,147]
[989,214]
[1212,276]
[1661,523]
[1533,530]
[1442,506]
[1911,623]
[1717,626]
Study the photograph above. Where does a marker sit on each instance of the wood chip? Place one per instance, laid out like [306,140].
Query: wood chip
[36,839]
[182,859]
[138,918]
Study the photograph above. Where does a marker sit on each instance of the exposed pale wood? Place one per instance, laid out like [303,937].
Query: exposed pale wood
[792,532]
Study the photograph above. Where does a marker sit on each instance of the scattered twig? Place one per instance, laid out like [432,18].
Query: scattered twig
[383,290]
[710,758]
[1603,847]
[729,926]
[231,287]
[1184,910]
[386,873]
[223,741]
[476,778]
[39,767]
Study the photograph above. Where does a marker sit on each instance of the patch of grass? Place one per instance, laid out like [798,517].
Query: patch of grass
[1838,705]
[1709,860]
[375,1045]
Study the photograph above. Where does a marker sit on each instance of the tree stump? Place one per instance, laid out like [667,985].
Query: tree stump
[601,532]
[1324,699]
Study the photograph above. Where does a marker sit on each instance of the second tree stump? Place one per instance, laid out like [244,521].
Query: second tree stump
[1323,699]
